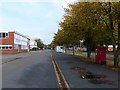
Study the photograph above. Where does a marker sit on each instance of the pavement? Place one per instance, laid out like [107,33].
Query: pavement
[34,70]
[81,74]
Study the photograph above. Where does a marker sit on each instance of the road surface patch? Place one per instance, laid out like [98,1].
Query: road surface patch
[92,77]
[78,68]
[96,78]
[11,60]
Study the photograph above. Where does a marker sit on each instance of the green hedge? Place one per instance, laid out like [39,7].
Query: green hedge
[34,49]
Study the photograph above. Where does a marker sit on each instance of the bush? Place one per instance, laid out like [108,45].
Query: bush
[34,49]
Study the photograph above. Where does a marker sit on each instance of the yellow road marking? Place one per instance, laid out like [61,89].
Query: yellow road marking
[57,75]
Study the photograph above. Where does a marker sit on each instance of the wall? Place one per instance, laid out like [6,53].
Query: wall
[11,51]
[8,41]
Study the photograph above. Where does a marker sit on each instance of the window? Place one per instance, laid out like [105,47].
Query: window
[10,47]
[3,35]
[5,47]
[15,46]
[0,35]
[24,47]
[6,35]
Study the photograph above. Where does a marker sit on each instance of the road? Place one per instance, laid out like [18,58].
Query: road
[33,71]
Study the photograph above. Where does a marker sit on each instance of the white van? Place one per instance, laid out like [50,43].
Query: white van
[60,49]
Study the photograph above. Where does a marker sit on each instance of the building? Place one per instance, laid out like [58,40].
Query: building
[33,44]
[13,42]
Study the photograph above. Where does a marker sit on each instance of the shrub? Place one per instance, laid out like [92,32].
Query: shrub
[34,49]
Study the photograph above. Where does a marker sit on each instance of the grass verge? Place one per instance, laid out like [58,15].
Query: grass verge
[93,55]
[108,65]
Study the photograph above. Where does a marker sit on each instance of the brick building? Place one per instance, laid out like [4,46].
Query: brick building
[13,42]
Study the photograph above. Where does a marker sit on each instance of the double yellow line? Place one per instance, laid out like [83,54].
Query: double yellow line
[60,77]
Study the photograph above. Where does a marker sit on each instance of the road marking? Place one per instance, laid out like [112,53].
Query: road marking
[60,77]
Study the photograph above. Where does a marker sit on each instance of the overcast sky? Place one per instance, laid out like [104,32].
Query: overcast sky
[34,18]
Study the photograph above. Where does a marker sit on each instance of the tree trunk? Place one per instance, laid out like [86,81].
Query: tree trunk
[88,51]
[118,48]
[117,51]
[113,37]
[73,51]
[115,56]
[107,47]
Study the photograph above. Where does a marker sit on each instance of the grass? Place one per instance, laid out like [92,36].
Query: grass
[108,65]
[82,58]
[110,52]
[93,55]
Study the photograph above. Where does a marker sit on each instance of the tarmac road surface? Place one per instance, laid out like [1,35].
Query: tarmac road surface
[81,74]
[34,71]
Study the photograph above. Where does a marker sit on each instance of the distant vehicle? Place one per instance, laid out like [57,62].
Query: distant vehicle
[60,49]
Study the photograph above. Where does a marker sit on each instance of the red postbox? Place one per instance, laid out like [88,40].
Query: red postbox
[101,55]
[97,58]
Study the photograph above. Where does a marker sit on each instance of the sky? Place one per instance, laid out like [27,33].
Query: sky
[33,18]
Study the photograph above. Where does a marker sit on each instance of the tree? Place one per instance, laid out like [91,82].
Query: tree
[80,22]
[97,23]
[97,17]
[39,43]
[109,13]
